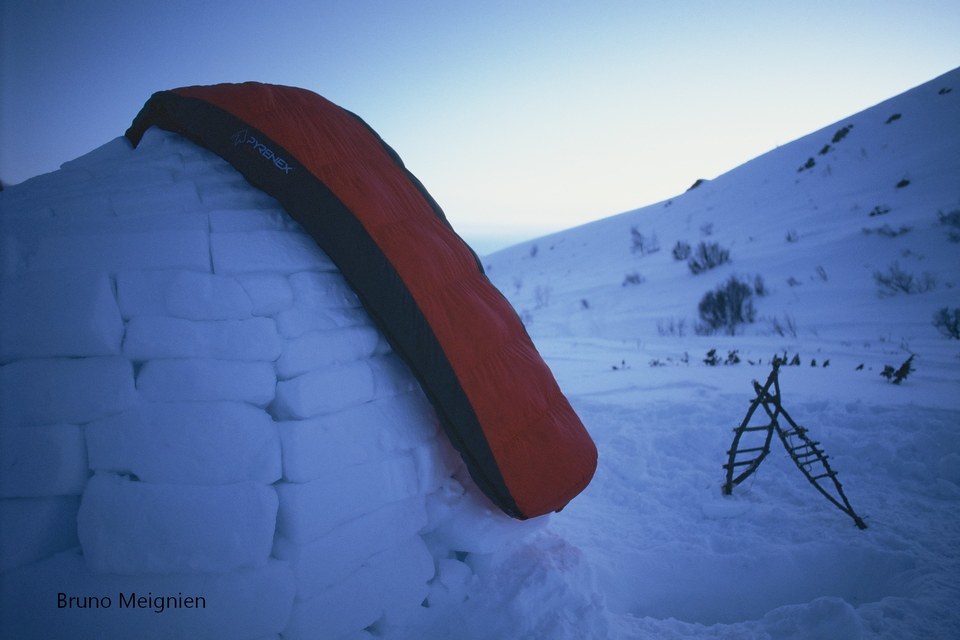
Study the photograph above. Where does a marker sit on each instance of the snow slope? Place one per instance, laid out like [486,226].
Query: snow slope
[650,550]
[619,325]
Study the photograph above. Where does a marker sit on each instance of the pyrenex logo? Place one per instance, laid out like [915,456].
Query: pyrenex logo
[239,137]
[243,136]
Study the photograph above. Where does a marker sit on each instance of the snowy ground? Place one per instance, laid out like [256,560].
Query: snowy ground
[677,559]
[671,556]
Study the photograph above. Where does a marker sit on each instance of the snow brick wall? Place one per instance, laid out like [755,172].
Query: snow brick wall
[196,407]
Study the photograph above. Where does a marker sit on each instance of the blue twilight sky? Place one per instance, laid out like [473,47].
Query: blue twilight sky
[518,116]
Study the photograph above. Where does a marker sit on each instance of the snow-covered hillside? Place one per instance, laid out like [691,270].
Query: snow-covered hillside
[302,487]
[847,244]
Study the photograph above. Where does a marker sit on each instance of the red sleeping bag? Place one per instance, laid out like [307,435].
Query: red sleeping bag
[496,398]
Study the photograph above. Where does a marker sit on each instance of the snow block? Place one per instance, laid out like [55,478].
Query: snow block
[331,558]
[175,380]
[182,294]
[334,389]
[42,461]
[188,443]
[230,191]
[140,176]
[326,391]
[114,252]
[267,219]
[320,445]
[436,461]
[392,376]
[322,302]
[321,349]
[272,251]
[152,337]
[51,391]
[36,528]
[269,293]
[58,313]
[393,583]
[204,296]
[158,195]
[245,604]
[314,290]
[309,510]
[137,527]
[297,321]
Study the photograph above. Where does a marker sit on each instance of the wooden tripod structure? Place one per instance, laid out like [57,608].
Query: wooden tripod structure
[751,444]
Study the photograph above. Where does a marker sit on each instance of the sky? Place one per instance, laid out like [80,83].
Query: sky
[519,117]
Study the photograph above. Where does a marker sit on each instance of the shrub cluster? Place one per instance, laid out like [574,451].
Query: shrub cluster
[895,280]
[681,250]
[947,322]
[707,256]
[841,134]
[896,376]
[727,307]
[713,358]
[952,222]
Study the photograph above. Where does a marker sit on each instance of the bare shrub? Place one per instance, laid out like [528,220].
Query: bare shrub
[707,256]
[895,280]
[759,286]
[727,307]
[643,244]
[784,328]
[947,322]
[887,231]
[672,327]
[952,222]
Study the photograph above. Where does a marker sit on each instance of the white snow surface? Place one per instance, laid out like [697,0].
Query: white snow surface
[194,403]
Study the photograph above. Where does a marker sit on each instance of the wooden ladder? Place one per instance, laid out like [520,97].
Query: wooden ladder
[751,444]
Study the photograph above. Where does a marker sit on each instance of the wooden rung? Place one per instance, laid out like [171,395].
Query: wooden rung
[749,450]
[766,427]
[812,445]
[740,463]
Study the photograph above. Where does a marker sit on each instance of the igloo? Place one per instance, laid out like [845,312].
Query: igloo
[203,432]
